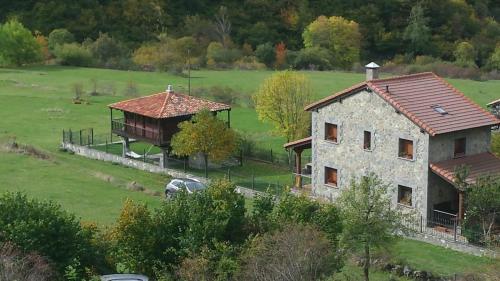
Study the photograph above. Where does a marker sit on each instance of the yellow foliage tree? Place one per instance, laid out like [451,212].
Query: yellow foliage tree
[205,134]
[337,34]
[281,100]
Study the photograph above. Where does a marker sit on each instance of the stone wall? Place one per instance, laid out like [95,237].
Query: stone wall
[118,159]
[353,115]
[441,147]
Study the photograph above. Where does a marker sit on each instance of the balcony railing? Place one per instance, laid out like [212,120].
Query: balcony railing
[120,127]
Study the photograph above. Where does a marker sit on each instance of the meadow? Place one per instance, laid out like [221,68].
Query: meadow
[36,105]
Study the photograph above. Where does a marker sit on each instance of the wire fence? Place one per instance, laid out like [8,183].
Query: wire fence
[231,169]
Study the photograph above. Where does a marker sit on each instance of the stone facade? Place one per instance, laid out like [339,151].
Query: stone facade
[366,111]
[441,147]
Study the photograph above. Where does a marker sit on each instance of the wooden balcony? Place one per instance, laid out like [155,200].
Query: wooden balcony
[153,136]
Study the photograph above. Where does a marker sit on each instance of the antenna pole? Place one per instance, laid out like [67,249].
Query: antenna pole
[189,71]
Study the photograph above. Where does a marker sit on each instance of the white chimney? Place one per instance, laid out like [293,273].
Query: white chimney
[170,89]
[371,71]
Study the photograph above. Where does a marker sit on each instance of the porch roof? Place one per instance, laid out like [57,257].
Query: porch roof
[304,143]
[479,164]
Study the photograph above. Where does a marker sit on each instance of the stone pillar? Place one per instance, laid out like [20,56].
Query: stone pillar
[126,146]
[164,158]
[298,168]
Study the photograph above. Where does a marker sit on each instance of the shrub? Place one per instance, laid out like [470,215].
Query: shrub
[73,54]
[265,53]
[220,57]
[107,51]
[44,228]
[314,58]
[298,252]
[249,63]
[494,60]
[495,143]
[59,37]
[18,46]
[14,265]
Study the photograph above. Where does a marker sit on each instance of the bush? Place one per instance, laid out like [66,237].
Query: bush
[107,51]
[249,63]
[14,265]
[59,37]
[494,60]
[220,57]
[73,54]
[265,54]
[44,228]
[314,58]
[18,46]
[495,143]
[298,252]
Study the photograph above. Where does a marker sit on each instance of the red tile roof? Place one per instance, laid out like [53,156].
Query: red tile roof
[166,105]
[479,164]
[416,95]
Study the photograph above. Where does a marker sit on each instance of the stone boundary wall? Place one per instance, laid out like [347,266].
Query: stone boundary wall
[107,157]
[460,247]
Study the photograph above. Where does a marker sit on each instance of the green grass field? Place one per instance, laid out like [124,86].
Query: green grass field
[36,105]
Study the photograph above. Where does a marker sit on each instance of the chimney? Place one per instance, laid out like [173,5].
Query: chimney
[170,89]
[371,71]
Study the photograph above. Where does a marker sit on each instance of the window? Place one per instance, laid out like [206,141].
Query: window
[367,140]
[331,132]
[405,148]
[404,195]
[459,147]
[330,176]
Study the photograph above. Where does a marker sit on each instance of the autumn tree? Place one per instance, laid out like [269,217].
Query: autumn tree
[337,34]
[417,33]
[369,221]
[280,101]
[280,55]
[207,135]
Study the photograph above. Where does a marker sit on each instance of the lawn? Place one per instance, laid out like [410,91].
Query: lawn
[36,105]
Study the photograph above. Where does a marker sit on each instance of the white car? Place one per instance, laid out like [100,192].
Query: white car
[189,185]
[124,277]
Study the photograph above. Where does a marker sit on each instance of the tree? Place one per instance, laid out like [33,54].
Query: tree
[18,45]
[337,34]
[494,60]
[207,135]
[280,55]
[465,54]
[223,26]
[369,221]
[59,37]
[44,228]
[296,252]
[281,99]
[483,203]
[265,54]
[417,33]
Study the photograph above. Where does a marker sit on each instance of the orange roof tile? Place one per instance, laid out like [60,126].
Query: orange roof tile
[416,95]
[167,104]
[479,164]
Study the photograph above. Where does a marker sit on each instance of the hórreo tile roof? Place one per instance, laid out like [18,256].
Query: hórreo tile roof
[168,104]
[419,97]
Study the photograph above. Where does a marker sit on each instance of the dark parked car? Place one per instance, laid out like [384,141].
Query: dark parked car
[189,185]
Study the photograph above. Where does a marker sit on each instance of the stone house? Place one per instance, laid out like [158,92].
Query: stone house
[411,131]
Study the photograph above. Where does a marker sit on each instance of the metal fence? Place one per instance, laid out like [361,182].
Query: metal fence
[447,227]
